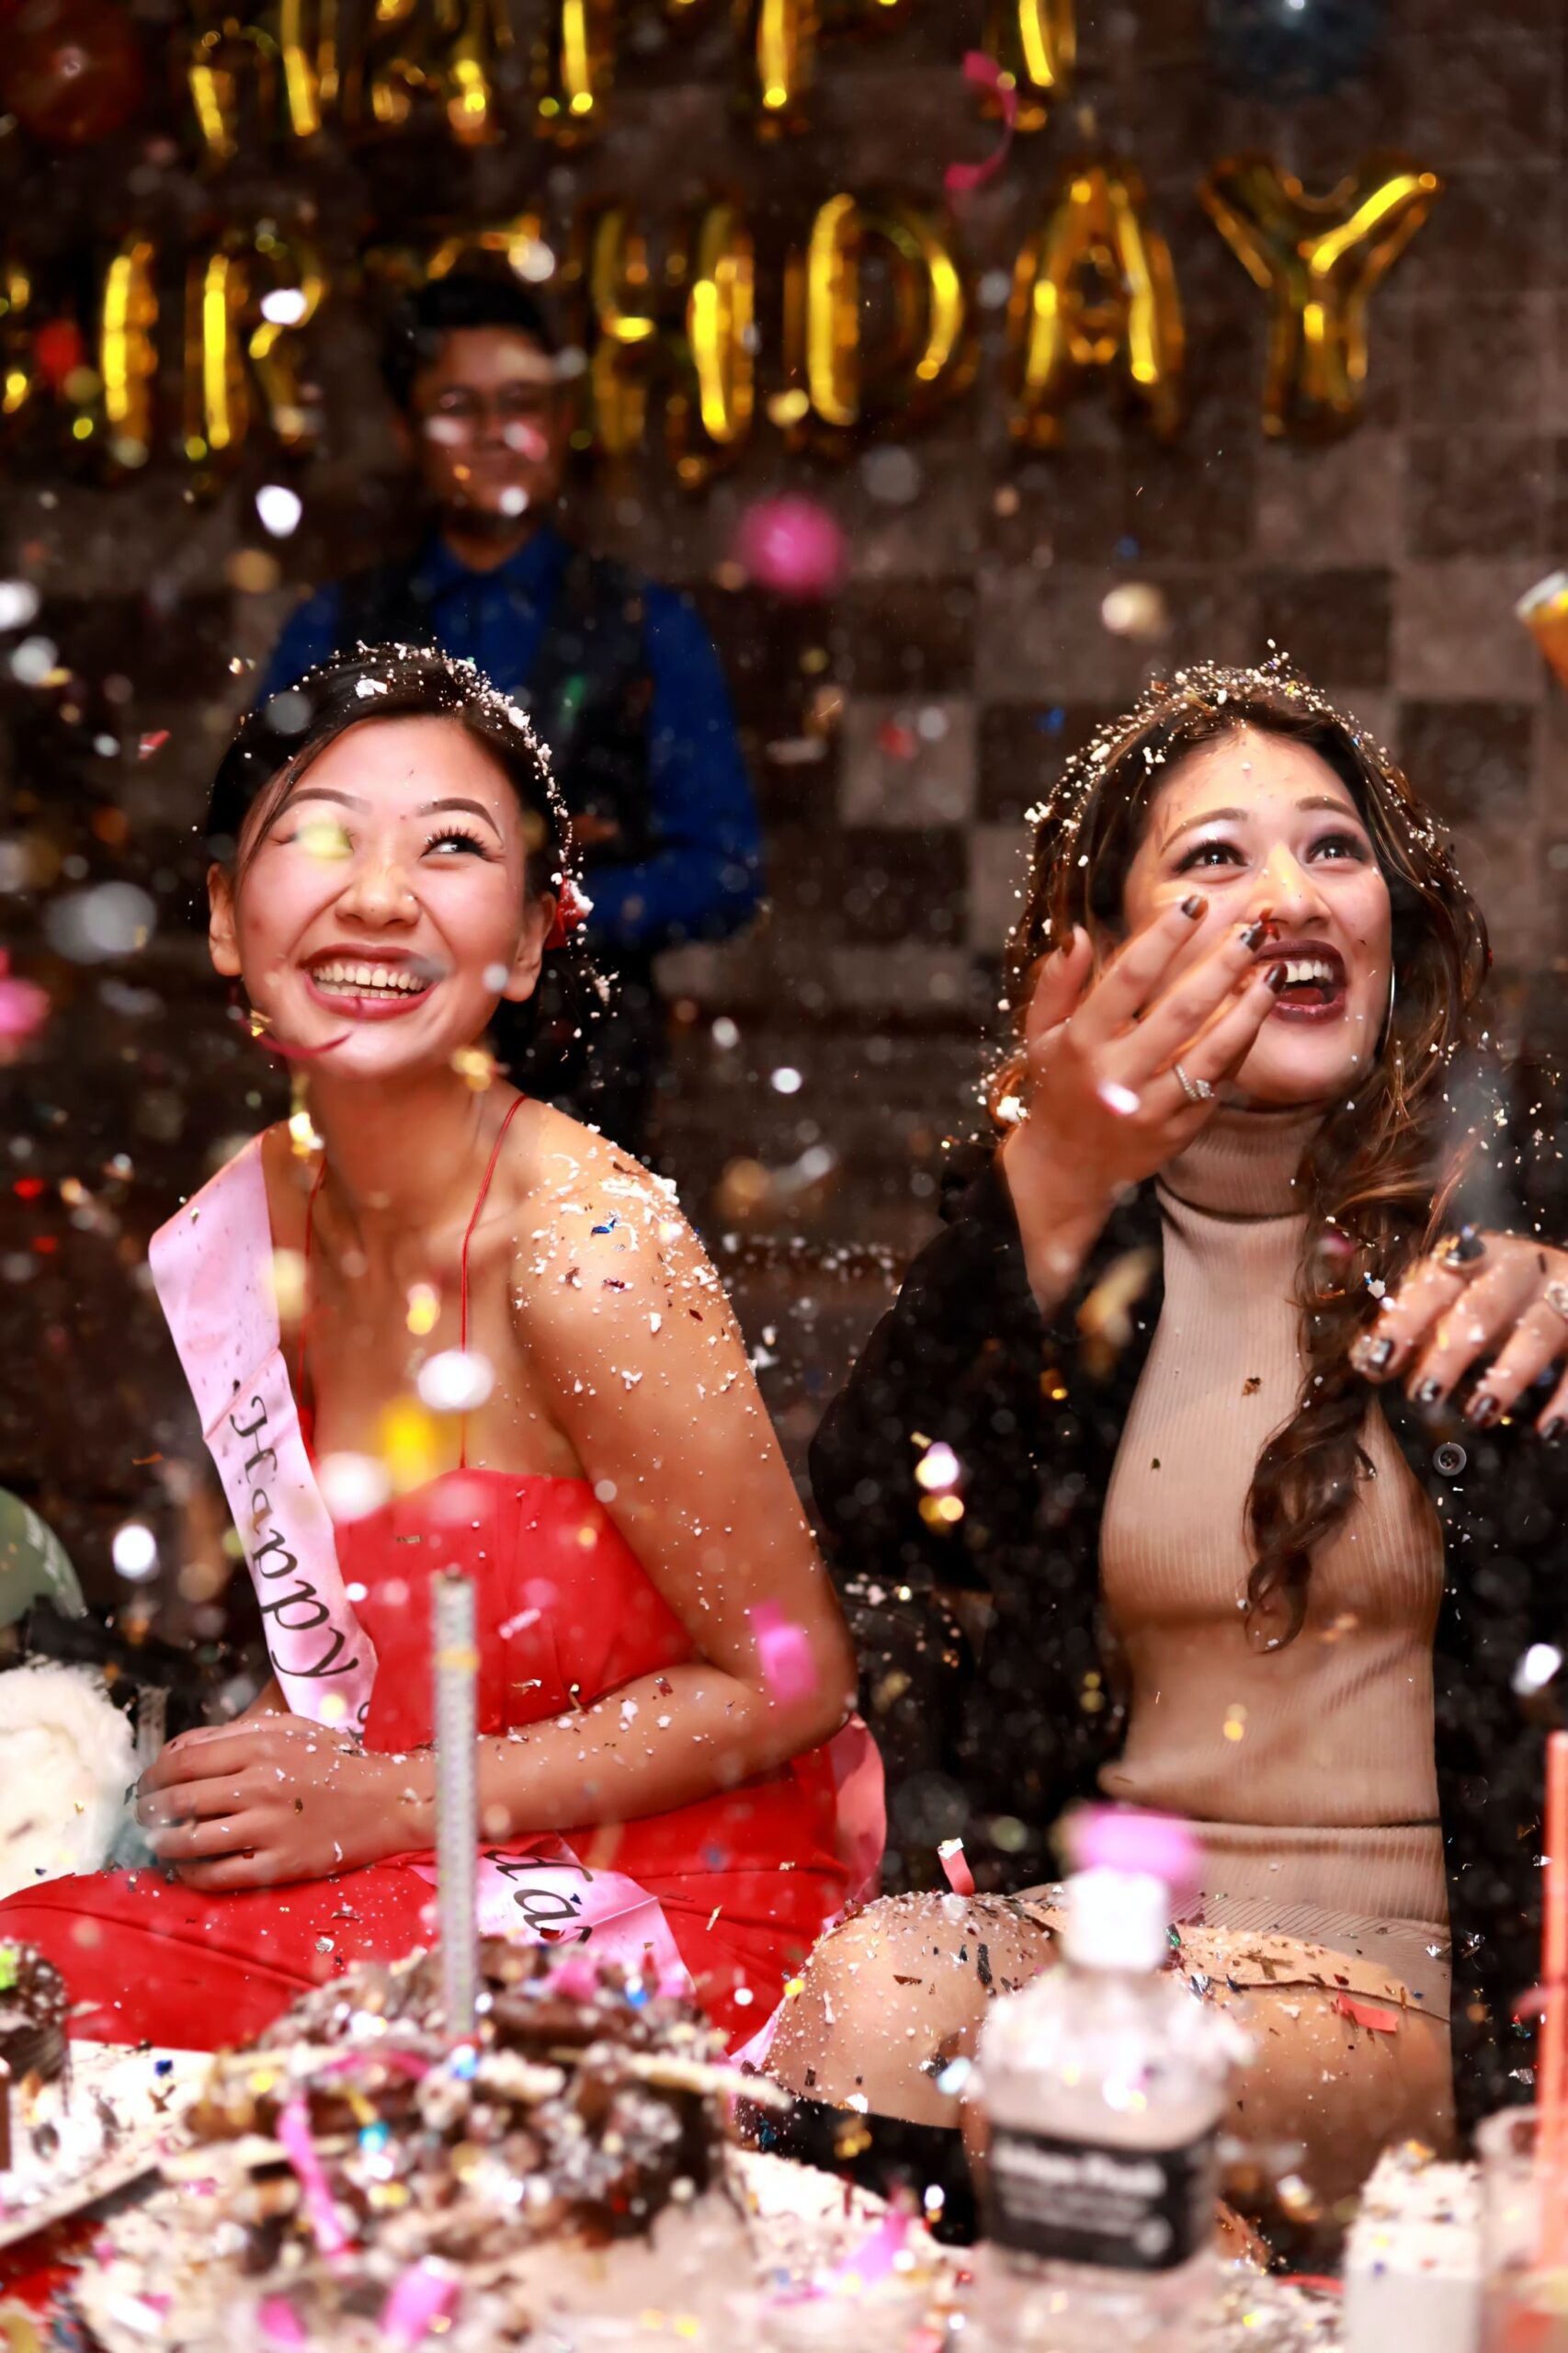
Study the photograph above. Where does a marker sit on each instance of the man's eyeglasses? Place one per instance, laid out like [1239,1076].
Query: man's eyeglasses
[463,410]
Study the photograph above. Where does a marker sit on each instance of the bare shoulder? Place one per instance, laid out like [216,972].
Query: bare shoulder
[287,1172]
[599,1235]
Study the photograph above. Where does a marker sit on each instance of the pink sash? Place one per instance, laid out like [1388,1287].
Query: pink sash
[211,1266]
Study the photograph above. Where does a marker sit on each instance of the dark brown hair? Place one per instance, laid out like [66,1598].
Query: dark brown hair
[1381,1168]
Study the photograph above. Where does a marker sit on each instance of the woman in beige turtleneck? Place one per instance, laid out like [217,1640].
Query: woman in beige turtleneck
[1246,963]
[1311,1767]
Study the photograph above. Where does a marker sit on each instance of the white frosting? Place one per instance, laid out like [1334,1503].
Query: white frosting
[1412,2261]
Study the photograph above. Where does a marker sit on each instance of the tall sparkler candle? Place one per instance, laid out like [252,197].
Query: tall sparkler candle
[457,1796]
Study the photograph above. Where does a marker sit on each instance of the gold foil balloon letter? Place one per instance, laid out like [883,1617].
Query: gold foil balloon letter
[1318,258]
[574,64]
[245,302]
[300,65]
[623,330]
[128,353]
[1094,295]
[1037,42]
[777,42]
[712,266]
[848,373]
[445,49]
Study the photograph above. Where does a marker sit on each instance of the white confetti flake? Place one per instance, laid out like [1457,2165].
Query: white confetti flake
[458,1380]
[135,1551]
[352,1485]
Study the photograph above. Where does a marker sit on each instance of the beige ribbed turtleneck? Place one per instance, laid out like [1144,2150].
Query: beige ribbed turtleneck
[1312,1767]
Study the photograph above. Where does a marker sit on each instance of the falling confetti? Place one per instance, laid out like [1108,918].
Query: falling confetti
[458,1380]
[789,1670]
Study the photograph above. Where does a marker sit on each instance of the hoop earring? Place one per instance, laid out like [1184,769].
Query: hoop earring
[1388,1017]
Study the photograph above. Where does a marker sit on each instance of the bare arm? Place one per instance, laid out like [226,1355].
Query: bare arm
[652,1385]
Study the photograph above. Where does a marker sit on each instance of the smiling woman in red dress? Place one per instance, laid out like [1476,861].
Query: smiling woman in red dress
[664,1679]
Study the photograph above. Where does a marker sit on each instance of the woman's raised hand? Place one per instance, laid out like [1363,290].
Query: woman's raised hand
[1122,1070]
[1497,1301]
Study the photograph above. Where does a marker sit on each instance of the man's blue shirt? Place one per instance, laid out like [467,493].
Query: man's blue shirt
[705,878]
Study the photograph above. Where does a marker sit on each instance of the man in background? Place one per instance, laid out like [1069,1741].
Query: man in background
[618,673]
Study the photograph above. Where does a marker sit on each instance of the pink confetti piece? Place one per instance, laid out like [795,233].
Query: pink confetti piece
[962,179]
[875,2259]
[955,1865]
[24,1007]
[421,2298]
[1372,2015]
[788,1669]
[576,1978]
[321,2210]
[279,2322]
[151,743]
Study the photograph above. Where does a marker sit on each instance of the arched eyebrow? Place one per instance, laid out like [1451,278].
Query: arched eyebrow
[306,791]
[1239,816]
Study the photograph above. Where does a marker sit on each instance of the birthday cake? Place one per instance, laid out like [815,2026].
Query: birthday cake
[354,2177]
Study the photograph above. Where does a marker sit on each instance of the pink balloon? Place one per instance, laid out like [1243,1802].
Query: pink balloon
[792,546]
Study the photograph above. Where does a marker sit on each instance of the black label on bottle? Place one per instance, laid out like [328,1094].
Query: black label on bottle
[1076,2201]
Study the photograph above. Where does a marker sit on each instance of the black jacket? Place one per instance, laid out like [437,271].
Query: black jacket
[992,1734]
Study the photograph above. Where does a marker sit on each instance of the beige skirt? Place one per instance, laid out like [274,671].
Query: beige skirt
[1346,2008]
[1375,1895]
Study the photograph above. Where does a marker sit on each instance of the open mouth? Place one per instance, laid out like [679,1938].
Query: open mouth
[1314,986]
[367,987]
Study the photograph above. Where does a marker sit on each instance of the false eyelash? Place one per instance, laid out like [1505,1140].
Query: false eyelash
[457,833]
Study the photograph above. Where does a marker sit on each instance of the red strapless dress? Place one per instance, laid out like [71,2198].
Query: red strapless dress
[747,1880]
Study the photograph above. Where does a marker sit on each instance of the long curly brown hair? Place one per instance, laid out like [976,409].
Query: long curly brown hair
[1381,1169]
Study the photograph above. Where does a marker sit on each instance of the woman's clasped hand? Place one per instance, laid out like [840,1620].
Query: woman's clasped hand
[1491,1304]
[274,1798]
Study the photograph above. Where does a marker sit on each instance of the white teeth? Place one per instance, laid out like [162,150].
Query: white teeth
[1302,970]
[386,980]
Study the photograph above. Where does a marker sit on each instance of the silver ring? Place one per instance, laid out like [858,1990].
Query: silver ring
[1556,1297]
[1197,1090]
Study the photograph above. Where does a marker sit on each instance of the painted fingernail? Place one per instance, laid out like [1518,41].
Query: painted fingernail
[1251,933]
[1426,1393]
[1468,1247]
[1483,1410]
[1276,977]
[1371,1355]
[1194,906]
[1552,1430]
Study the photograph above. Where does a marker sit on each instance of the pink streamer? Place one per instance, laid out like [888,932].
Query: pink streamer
[321,2210]
[962,179]
[788,1668]
[421,2298]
